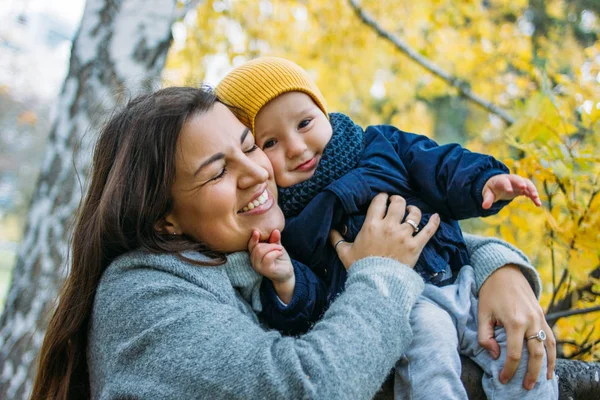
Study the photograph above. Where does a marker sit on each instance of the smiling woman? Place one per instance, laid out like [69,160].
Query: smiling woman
[217,158]
[162,301]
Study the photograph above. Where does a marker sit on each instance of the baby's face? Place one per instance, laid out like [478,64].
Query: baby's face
[293,132]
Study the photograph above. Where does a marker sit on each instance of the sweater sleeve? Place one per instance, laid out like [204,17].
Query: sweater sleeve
[488,254]
[449,177]
[155,335]
[306,307]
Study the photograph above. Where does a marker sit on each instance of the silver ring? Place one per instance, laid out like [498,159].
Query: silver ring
[413,224]
[338,242]
[540,336]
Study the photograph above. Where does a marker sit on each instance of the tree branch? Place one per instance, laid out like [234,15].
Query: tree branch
[583,350]
[562,314]
[462,86]
[557,288]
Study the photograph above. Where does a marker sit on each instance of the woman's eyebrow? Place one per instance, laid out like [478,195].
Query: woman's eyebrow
[210,160]
[244,134]
[220,156]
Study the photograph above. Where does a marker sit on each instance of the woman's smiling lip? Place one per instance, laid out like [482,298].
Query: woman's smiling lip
[308,165]
[261,208]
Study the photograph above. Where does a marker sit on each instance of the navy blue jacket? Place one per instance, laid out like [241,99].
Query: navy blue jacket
[445,179]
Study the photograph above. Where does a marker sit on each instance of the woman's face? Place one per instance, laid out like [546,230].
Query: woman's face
[224,186]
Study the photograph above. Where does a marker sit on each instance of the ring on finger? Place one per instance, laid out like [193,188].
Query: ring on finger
[413,224]
[337,243]
[540,336]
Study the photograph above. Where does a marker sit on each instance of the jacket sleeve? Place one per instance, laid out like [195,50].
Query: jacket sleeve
[450,177]
[166,337]
[306,235]
[306,307]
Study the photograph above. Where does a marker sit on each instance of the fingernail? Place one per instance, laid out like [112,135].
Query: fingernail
[530,385]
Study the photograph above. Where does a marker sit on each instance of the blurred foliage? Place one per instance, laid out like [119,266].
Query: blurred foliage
[24,127]
[537,59]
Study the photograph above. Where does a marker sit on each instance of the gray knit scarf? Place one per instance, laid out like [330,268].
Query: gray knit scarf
[341,155]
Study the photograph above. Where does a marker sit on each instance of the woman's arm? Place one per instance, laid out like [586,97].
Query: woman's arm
[178,331]
[307,304]
[487,254]
[156,335]
[508,291]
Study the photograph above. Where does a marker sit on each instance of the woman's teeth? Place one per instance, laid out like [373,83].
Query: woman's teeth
[259,200]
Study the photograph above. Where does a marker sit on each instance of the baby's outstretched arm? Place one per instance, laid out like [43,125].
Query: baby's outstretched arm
[272,261]
[507,187]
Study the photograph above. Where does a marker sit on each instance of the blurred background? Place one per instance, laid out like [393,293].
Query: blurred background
[519,79]
[35,45]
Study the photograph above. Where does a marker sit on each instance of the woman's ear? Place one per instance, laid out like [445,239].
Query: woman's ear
[167,226]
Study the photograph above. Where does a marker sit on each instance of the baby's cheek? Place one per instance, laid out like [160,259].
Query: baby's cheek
[278,170]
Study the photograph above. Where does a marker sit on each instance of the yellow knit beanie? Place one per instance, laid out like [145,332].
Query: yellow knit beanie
[249,87]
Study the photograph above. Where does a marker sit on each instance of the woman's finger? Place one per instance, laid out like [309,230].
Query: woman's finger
[550,344]
[396,209]
[427,231]
[536,351]
[414,215]
[377,209]
[515,334]
[485,333]
[341,247]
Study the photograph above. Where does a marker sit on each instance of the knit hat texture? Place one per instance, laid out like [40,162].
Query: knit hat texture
[249,87]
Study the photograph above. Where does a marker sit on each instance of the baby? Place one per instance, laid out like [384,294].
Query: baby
[328,170]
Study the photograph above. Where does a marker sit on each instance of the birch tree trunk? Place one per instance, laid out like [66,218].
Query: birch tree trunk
[120,50]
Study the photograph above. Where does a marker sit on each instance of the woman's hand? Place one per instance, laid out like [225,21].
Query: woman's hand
[507,299]
[384,235]
[272,261]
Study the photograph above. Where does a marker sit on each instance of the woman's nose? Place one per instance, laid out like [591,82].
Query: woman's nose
[295,145]
[252,173]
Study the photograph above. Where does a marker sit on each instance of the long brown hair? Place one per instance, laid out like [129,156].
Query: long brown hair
[130,191]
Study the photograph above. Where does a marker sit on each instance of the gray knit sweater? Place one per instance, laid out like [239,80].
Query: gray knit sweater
[165,329]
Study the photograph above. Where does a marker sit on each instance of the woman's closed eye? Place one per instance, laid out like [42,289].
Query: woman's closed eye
[216,178]
[251,149]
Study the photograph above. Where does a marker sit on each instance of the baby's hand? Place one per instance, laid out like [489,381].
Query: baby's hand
[272,261]
[507,187]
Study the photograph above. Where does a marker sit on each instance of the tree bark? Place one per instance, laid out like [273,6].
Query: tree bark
[576,380]
[120,49]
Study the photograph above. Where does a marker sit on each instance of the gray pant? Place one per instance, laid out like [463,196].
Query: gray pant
[444,323]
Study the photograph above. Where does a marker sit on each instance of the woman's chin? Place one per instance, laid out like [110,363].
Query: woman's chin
[266,229]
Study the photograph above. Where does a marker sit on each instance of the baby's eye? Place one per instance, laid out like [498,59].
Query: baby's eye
[269,143]
[303,124]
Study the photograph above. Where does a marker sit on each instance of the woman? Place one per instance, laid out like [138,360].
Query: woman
[158,302]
